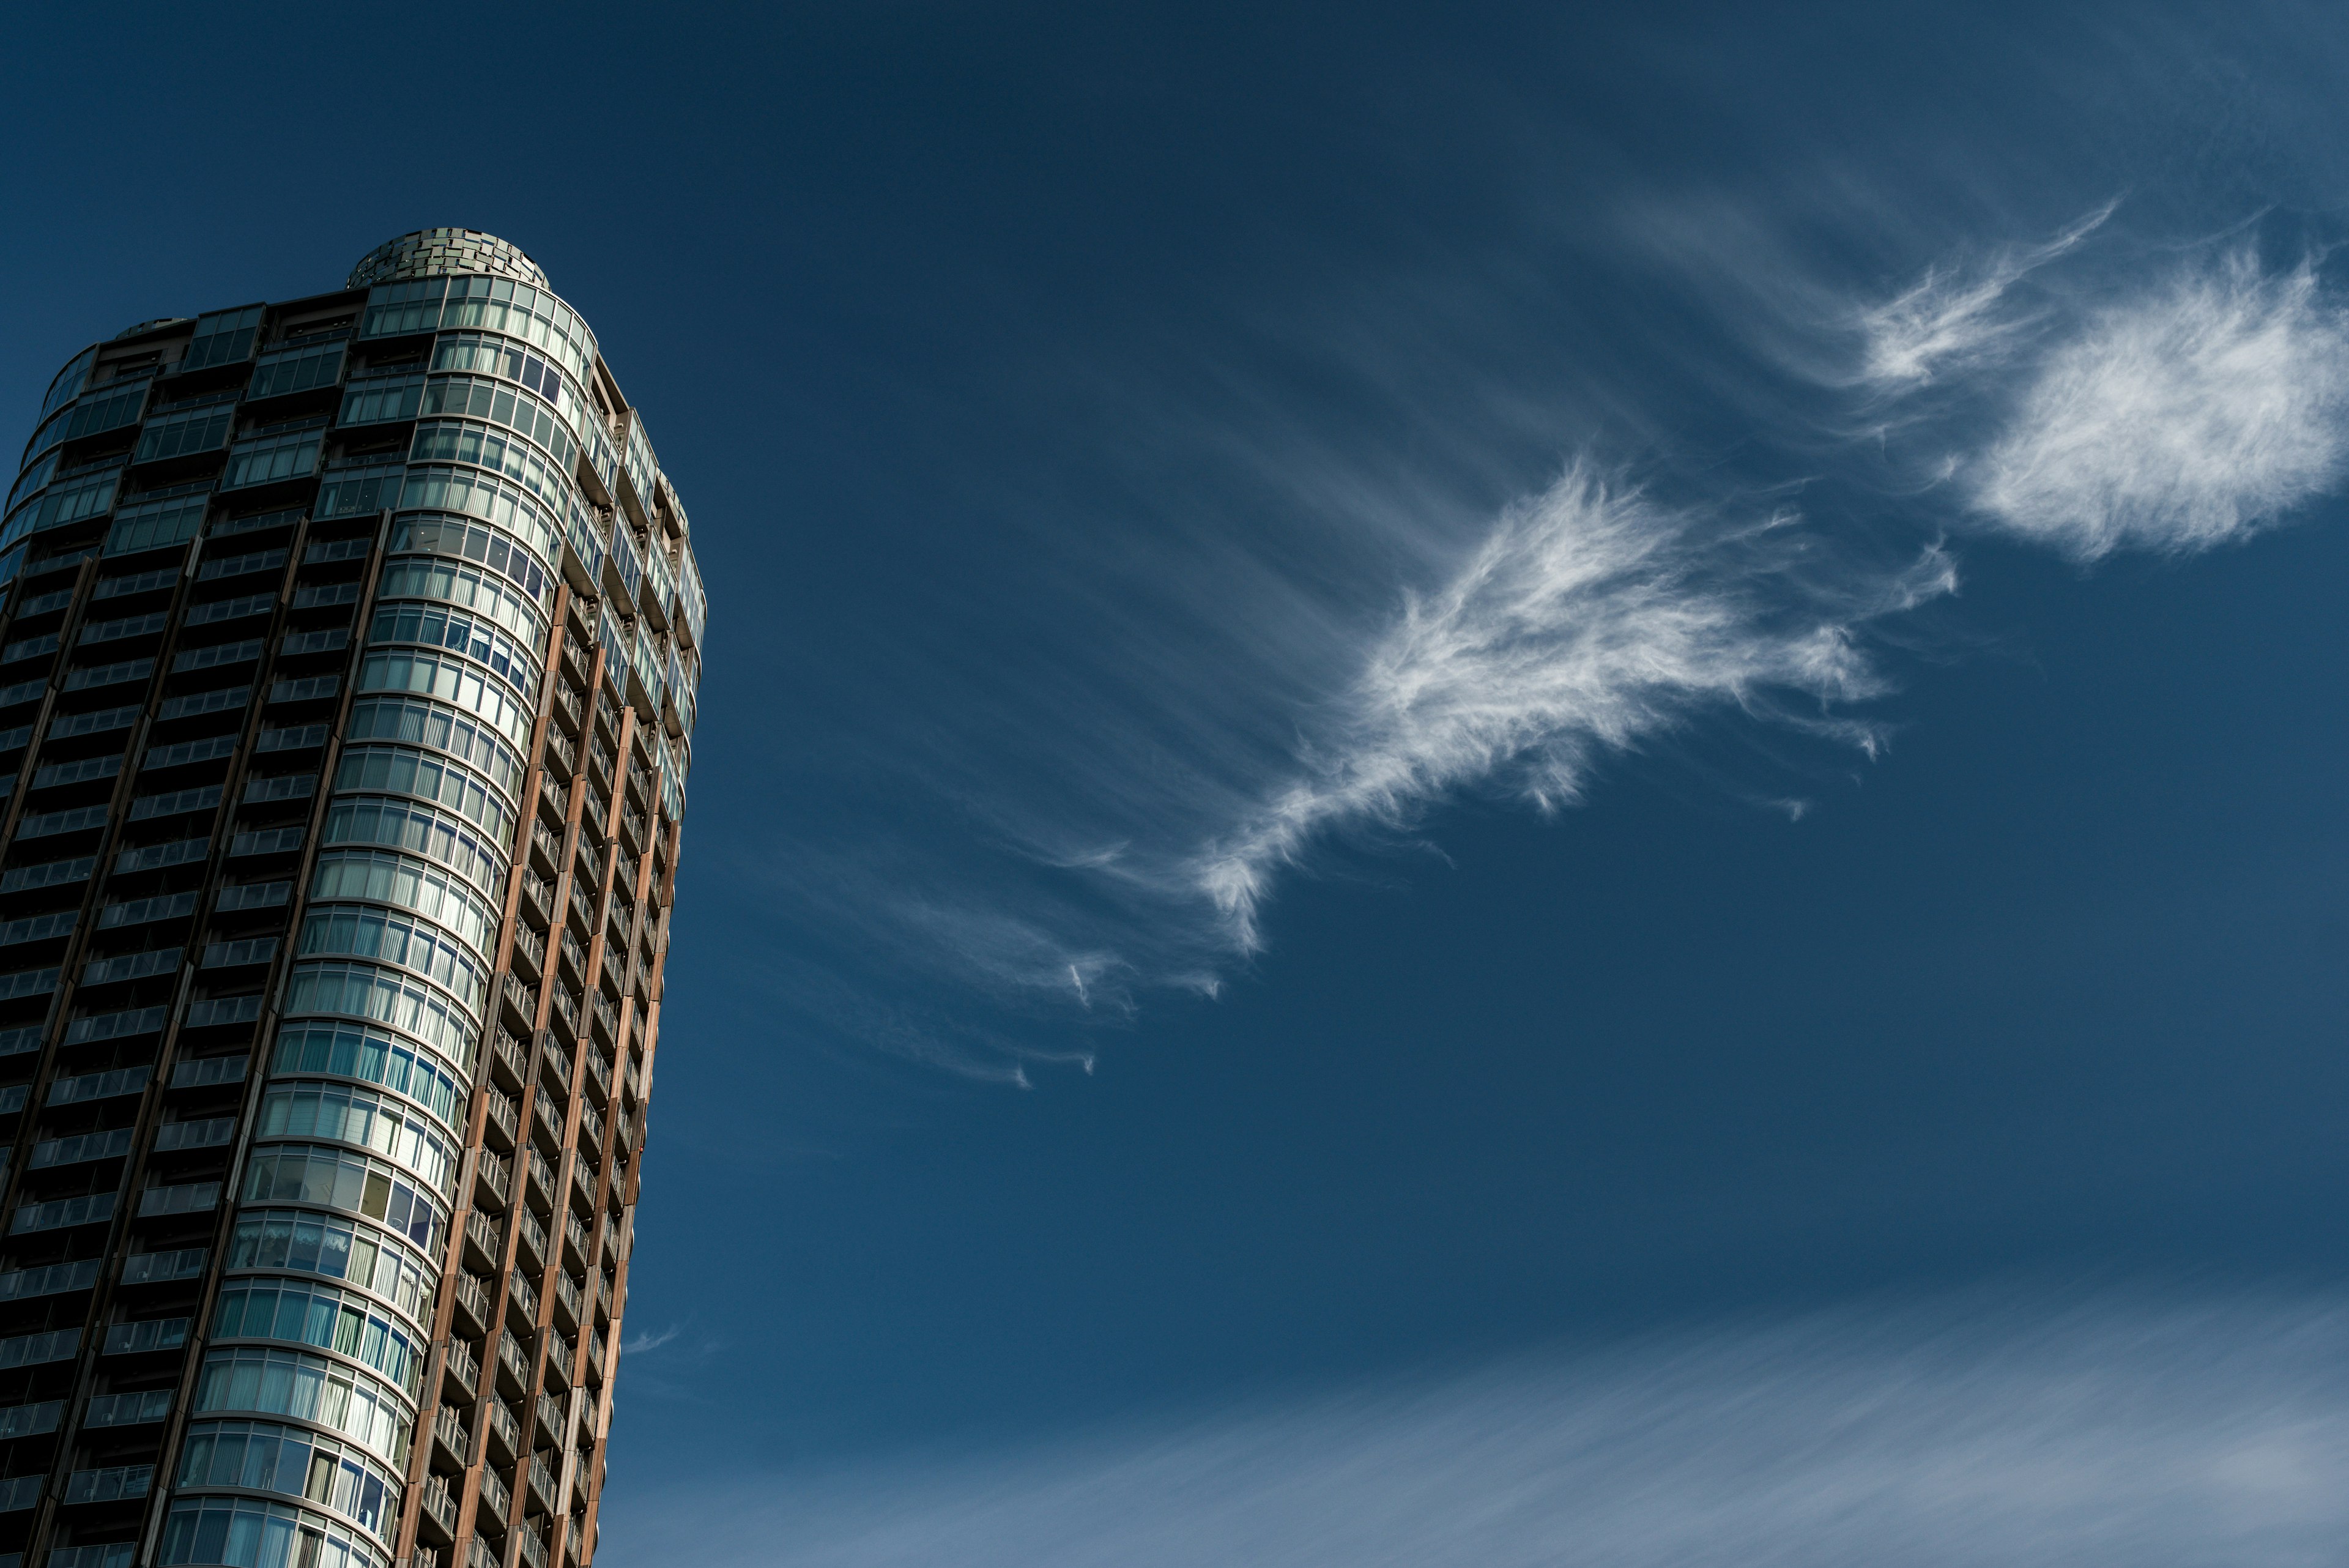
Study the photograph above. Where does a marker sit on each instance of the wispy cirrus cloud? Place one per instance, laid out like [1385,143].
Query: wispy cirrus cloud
[2103,1434]
[1957,314]
[1238,708]
[1590,618]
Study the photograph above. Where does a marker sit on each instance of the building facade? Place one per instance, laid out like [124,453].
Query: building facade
[347,657]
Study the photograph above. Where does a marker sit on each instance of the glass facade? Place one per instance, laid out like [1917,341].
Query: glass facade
[347,653]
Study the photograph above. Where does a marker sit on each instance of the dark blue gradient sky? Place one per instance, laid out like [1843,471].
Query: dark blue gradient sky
[1067,399]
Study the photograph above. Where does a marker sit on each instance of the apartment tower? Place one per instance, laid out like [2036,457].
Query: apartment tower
[347,657]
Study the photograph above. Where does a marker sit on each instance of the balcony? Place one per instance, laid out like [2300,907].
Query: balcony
[472,1301]
[533,1550]
[596,1360]
[549,1411]
[591,1129]
[559,1351]
[507,1052]
[538,893]
[599,1073]
[544,839]
[607,1015]
[533,1237]
[570,1308]
[542,1174]
[438,1506]
[520,1000]
[562,749]
[554,1068]
[116,1483]
[484,1247]
[459,1373]
[568,702]
[529,952]
[505,1432]
[513,1363]
[575,1234]
[449,1431]
[478,1555]
[497,1500]
[542,1483]
[545,1118]
[521,1293]
[566,1008]
[492,1180]
[505,1116]
[575,957]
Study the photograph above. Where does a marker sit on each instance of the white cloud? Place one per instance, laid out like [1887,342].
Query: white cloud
[2103,1436]
[2193,415]
[1951,317]
[1590,619]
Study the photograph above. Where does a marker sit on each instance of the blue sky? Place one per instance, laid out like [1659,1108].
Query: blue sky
[1477,784]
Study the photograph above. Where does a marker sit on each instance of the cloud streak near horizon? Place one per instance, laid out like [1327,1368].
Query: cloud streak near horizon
[2105,1433]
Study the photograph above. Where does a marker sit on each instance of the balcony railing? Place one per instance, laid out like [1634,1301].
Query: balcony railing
[439,1505]
[542,1483]
[505,1114]
[548,1119]
[533,1236]
[533,1550]
[576,1234]
[591,1127]
[514,1055]
[567,1296]
[565,750]
[462,1365]
[531,947]
[599,1069]
[475,1298]
[503,1426]
[513,1358]
[493,1174]
[497,1500]
[550,1417]
[521,998]
[541,1173]
[522,1293]
[478,1555]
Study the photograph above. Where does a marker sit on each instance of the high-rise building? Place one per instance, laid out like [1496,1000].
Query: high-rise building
[347,687]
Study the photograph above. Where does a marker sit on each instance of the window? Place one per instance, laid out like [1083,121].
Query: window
[68,381]
[33,478]
[456,536]
[262,1456]
[154,524]
[478,495]
[335,1179]
[403,770]
[296,370]
[395,879]
[361,1116]
[477,639]
[385,996]
[363,932]
[465,442]
[442,729]
[245,1533]
[309,1243]
[403,824]
[177,435]
[503,405]
[378,1058]
[105,410]
[380,400]
[368,488]
[293,455]
[308,1388]
[222,337]
[450,681]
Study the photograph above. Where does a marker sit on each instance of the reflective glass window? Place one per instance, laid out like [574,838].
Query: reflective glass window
[337,1179]
[524,412]
[343,1113]
[176,435]
[68,381]
[403,770]
[377,1057]
[222,337]
[426,830]
[246,1532]
[444,730]
[412,885]
[292,456]
[457,536]
[296,370]
[365,933]
[377,400]
[387,996]
[308,1388]
[493,501]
